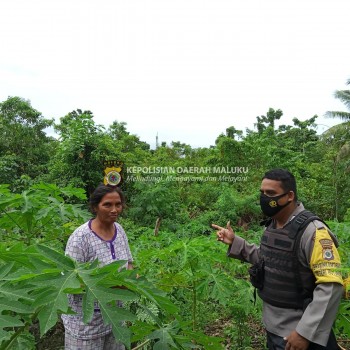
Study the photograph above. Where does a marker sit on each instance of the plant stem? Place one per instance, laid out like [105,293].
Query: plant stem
[194,309]
[141,345]
[194,300]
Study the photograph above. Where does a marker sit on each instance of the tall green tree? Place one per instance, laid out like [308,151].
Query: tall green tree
[127,147]
[83,147]
[268,120]
[261,148]
[344,96]
[24,146]
[334,146]
[300,136]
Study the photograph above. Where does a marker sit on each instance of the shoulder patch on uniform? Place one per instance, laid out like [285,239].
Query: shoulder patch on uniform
[325,260]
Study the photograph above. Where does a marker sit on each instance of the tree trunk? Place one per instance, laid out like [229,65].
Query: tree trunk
[156,229]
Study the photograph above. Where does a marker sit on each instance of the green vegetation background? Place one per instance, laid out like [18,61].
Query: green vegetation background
[189,294]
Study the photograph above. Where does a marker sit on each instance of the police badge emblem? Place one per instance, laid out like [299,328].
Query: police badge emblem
[112,172]
[327,251]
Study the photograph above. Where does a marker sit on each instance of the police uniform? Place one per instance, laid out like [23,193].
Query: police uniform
[317,252]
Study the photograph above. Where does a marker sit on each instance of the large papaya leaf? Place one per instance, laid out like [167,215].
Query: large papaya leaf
[10,201]
[193,339]
[18,253]
[9,321]
[5,269]
[47,188]
[55,299]
[24,341]
[70,191]
[93,278]
[164,338]
[112,316]
[24,274]
[5,322]
[55,283]
[40,264]
[192,253]
[180,246]
[141,286]
[4,335]
[343,318]
[88,306]
[116,266]
[10,292]
[78,212]
[27,203]
[63,212]
[16,306]
[141,330]
[216,285]
[179,335]
[44,213]
[27,222]
[11,225]
[107,299]
[60,259]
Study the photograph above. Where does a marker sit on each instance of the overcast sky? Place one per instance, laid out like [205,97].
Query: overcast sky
[183,69]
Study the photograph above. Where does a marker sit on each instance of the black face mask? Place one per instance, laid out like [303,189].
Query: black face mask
[269,205]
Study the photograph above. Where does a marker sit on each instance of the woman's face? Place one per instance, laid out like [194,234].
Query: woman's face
[109,208]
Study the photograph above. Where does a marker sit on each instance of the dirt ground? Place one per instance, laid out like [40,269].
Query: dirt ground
[53,340]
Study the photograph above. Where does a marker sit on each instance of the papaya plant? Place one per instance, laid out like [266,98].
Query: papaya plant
[43,213]
[35,281]
[35,278]
[199,278]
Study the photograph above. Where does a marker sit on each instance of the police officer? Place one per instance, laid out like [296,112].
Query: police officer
[300,283]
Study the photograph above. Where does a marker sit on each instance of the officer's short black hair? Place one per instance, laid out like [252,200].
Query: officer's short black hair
[286,178]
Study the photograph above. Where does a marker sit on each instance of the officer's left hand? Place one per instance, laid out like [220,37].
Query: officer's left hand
[296,342]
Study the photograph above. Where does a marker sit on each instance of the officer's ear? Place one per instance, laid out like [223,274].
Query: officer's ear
[291,196]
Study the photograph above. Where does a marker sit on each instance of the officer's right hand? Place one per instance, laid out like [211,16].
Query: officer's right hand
[224,235]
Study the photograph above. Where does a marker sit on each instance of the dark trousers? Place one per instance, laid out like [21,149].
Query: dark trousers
[274,342]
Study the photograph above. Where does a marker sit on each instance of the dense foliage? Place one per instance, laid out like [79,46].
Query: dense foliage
[174,193]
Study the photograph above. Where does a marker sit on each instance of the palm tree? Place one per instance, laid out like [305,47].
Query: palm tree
[344,96]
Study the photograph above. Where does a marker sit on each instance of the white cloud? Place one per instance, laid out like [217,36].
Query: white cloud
[184,69]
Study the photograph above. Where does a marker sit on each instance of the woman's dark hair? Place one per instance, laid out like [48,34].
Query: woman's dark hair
[286,178]
[100,191]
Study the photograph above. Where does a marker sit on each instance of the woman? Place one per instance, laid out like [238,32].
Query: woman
[103,239]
